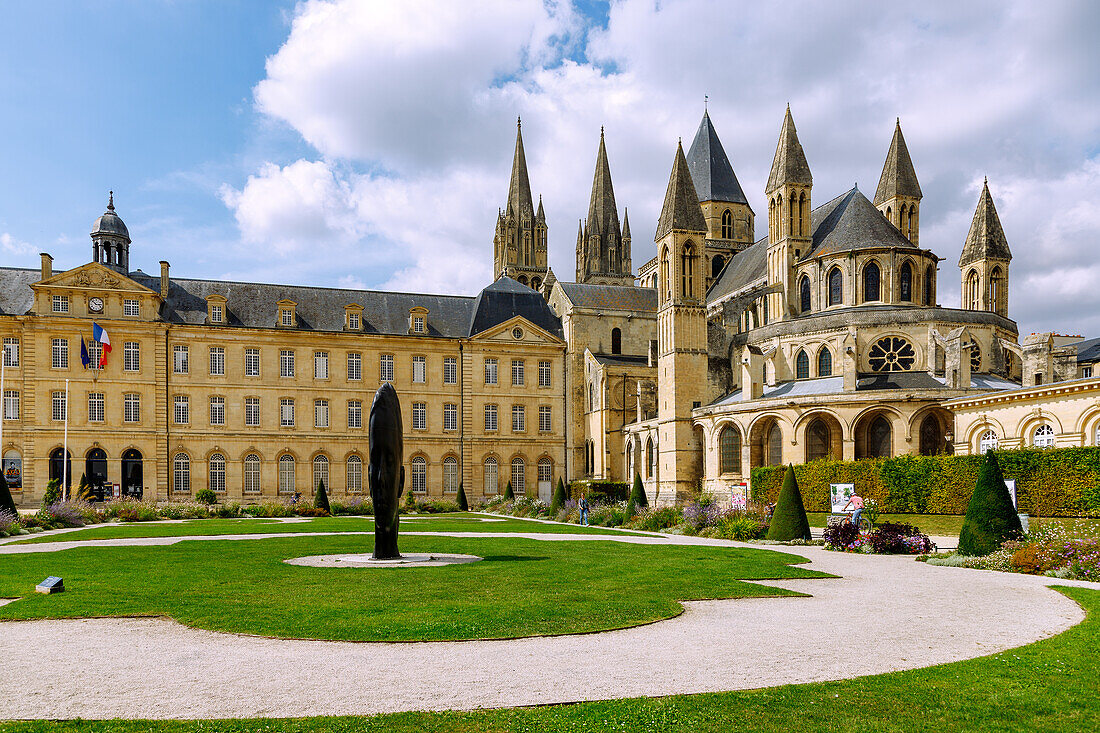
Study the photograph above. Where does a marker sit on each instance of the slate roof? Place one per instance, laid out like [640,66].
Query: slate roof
[711,171]
[986,238]
[519,186]
[615,297]
[898,380]
[1088,351]
[507,298]
[789,164]
[16,296]
[745,267]
[898,176]
[681,209]
[621,359]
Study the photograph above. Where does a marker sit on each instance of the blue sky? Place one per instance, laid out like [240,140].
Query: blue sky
[368,143]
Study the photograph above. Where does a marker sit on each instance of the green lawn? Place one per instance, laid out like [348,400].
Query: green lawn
[937,524]
[416,523]
[1051,685]
[521,588]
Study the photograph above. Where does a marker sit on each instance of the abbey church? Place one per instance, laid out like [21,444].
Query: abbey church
[716,353]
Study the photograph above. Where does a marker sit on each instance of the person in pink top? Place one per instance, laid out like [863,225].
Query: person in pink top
[856,503]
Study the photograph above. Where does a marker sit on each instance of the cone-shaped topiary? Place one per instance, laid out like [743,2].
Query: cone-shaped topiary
[7,504]
[789,520]
[509,495]
[558,500]
[463,503]
[320,501]
[990,517]
[636,499]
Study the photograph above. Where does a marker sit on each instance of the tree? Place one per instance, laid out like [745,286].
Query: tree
[558,500]
[83,489]
[508,494]
[320,501]
[789,520]
[53,492]
[637,498]
[463,503]
[990,516]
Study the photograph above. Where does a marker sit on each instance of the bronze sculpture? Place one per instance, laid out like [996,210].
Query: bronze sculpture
[386,474]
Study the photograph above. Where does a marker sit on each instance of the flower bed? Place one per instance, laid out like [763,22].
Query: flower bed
[1060,550]
[886,539]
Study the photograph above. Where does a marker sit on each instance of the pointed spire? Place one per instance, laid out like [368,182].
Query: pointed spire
[602,216]
[711,171]
[789,165]
[519,188]
[540,214]
[898,176]
[110,201]
[626,224]
[681,208]
[986,239]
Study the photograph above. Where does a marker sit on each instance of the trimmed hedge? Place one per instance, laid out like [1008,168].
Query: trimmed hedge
[602,491]
[1050,482]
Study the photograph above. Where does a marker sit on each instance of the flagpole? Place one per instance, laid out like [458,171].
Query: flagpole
[3,411]
[65,451]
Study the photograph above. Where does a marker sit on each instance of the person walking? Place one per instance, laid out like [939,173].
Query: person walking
[584,511]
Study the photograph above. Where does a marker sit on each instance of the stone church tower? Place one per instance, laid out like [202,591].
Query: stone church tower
[603,249]
[984,261]
[519,245]
[789,236]
[681,335]
[898,194]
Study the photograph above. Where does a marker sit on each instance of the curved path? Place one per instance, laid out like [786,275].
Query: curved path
[906,614]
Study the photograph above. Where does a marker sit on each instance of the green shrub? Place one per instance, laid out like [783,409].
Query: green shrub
[269,509]
[227,511]
[558,500]
[7,503]
[130,510]
[789,520]
[206,496]
[990,517]
[463,503]
[509,495]
[637,498]
[53,492]
[653,519]
[320,501]
[740,526]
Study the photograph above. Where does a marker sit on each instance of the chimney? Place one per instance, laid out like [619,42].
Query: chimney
[163,278]
[47,266]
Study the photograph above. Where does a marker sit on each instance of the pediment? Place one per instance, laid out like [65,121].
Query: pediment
[529,333]
[94,276]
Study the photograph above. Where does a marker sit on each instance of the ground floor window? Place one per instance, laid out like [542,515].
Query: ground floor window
[252,474]
[181,473]
[450,475]
[546,471]
[519,475]
[320,472]
[216,466]
[1043,437]
[355,474]
[286,474]
[419,475]
[988,441]
[492,480]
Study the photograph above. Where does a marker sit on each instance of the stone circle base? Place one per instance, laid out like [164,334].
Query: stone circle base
[364,560]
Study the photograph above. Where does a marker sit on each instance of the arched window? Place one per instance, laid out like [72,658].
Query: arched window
[492,478]
[355,474]
[519,476]
[616,341]
[216,471]
[996,289]
[522,279]
[902,219]
[650,459]
[320,472]
[802,366]
[972,295]
[792,208]
[909,221]
[804,294]
[931,437]
[988,441]
[535,283]
[419,475]
[727,224]
[1043,437]
[286,474]
[836,286]
[716,266]
[61,466]
[871,289]
[879,434]
[764,311]
[929,285]
[251,474]
[450,475]
[666,275]
[825,362]
[545,470]
[1097,442]
[775,445]
[802,215]
[818,440]
[181,472]
[779,216]
[773,232]
[687,271]
[905,283]
[729,450]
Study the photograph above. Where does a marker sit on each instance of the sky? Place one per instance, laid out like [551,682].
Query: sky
[367,144]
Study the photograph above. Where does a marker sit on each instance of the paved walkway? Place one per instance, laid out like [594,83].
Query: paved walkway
[905,615]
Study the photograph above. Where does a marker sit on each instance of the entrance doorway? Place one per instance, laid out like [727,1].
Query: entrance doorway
[95,470]
[133,483]
[57,468]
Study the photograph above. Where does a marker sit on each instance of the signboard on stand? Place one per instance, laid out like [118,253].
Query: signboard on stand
[739,496]
[839,496]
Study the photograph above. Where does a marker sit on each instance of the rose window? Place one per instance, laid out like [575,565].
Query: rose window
[892,354]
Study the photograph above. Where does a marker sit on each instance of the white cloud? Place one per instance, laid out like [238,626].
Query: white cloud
[15,247]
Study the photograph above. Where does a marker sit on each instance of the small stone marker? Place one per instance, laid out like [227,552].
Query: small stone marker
[51,585]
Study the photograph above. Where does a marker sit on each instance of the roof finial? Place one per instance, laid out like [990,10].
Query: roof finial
[705,100]
[519,122]
[986,181]
[110,201]
[601,131]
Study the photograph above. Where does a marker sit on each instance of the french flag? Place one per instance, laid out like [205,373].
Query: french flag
[100,335]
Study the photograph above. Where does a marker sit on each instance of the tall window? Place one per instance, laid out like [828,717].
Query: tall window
[95,352]
[774,445]
[252,474]
[129,308]
[871,289]
[996,289]
[180,358]
[286,363]
[131,356]
[353,321]
[490,417]
[879,438]
[517,372]
[252,411]
[355,413]
[988,441]
[286,412]
[60,354]
[519,419]
[519,477]
[802,366]
[666,276]
[490,371]
[420,415]
[687,271]
[217,361]
[929,284]
[1043,437]
[616,341]
[650,459]
[419,475]
[320,365]
[131,407]
[355,367]
[972,292]
[215,314]
[216,471]
[727,224]
[320,472]
[60,406]
[825,362]
[385,367]
[804,294]
[320,413]
[60,304]
[450,370]
[450,416]
[419,324]
[729,450]
[287,316]
[252,362]
[181,473]
[217,410]
[286,474]
[450,475]
[492,481]
[544,373]
[95,407]
[836,287]
[355,474]
[544,419]
[818,440]
[11,352]
[420,369]
[905,283]
[11,404]
[545,470]
[182,410]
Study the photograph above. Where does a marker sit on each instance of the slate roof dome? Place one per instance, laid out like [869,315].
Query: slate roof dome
[507,298]
[110,222]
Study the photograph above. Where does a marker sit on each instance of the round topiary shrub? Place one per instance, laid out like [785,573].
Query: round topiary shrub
[990,517]
[206,496]
[789,521]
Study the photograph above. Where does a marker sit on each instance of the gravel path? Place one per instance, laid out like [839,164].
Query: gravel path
[904,615]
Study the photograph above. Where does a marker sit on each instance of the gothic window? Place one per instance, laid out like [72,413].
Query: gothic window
[779,216]
[716,266]
[902,221]
[1043,437]
[909,221]
[687,271]
[971,299]
[836,286]
[616,341]
[729,450]
[775,445]
[905,282]
[802,366]
[802,215]
[665,274]
[792,208]
[996,289]
[727,224]
[929,284]
[931,437]
[804,294]
[825,362]
[975,356]
[650,459]
[764,309]
[892,354]
[988,441]
[818,440]
[871,289]
[879,438]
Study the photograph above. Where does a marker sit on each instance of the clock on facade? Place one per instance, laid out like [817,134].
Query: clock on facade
[95,305]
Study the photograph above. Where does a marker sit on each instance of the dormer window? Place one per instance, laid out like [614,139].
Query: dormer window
[60,304]
[418,320]
[288,317]
[215,309]
[418,324]
[353,317]
[215,314]
[353,321]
